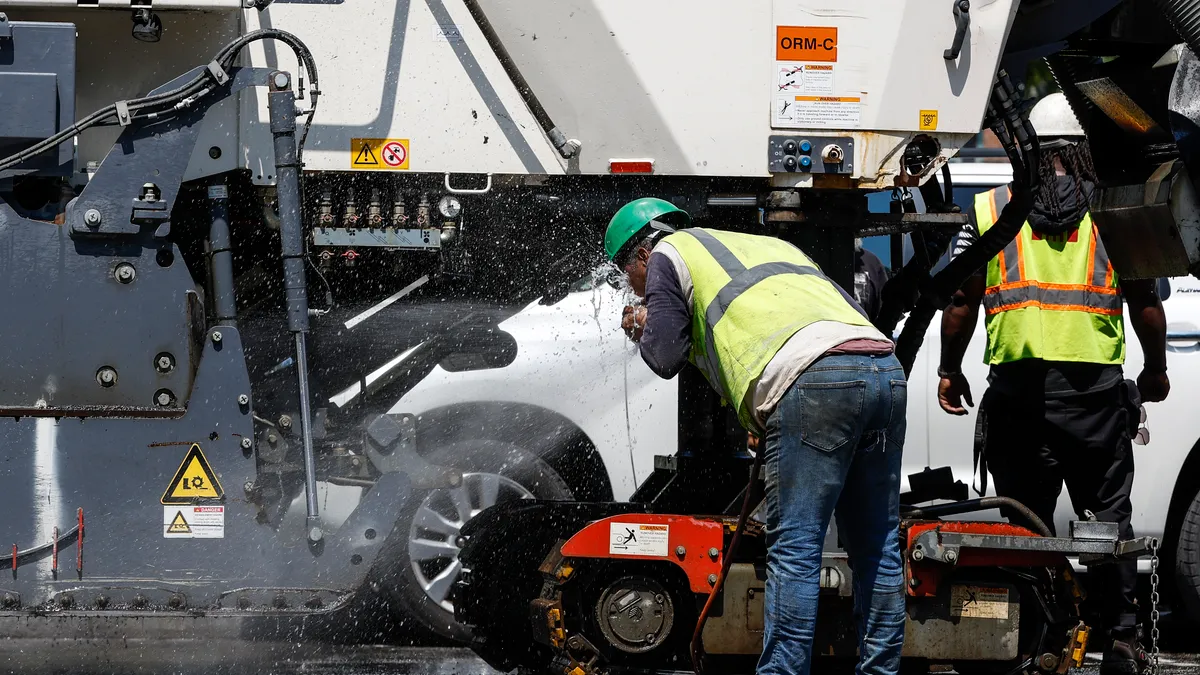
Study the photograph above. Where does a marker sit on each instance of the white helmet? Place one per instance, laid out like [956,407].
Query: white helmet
[1052,118]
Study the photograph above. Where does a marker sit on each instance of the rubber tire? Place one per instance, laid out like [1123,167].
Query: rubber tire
[485,456]
[1187,560]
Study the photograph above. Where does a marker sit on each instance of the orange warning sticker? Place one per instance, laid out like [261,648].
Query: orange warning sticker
[928,120]
[806,43]
[379,154]
[194,481]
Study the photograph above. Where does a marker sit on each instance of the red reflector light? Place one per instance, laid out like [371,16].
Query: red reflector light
[631,166]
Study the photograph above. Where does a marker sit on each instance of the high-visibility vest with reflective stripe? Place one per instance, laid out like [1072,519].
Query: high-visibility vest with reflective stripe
[750,295]
[1050,297]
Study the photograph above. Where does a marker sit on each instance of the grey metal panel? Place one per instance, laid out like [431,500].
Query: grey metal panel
[386,237]
[29,103]
[43,48]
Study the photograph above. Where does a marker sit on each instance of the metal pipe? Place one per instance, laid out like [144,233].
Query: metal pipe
[983,504]
[282,104]
[221,255]
[566,148]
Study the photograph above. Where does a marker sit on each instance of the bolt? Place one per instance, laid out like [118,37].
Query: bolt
[280,601]
[913,583]
[282,80]
[248,486]
[712,580]
[216,337]
[247,443]
[125,273]
[650,638]
[951,556]
[315,534]
[106,376]
[918,554]
[680,551]
[92,218]
[101,601]
[713,553]
[243,602]
[150,192]
[11,600]
[66,601]
[243,399]
[163,398]
[272,439]
[1048,662]
[355,462]
[750,593]
[140,601]
[175,602]
[285,422]
[164,363]
[658,597]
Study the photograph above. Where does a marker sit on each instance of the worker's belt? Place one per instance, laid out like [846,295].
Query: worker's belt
[1060,297]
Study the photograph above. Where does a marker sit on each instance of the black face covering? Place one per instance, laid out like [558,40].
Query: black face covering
[1073,197]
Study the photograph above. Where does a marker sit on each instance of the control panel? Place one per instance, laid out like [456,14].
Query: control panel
[810,154]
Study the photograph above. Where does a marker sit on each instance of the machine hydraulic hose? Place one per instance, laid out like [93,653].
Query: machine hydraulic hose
[1184,16]
[973,505]
[1021,145]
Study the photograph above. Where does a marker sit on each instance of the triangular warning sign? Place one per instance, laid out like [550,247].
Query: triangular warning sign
[179,525]
[366,156]
[194,481]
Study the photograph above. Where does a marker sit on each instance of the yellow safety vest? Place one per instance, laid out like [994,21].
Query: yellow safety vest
[751,294]
[1050,297]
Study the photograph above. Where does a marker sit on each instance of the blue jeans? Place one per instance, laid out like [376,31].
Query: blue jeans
[833,445]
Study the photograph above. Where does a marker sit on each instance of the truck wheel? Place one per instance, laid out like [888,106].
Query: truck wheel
[1187,560]
[427,562]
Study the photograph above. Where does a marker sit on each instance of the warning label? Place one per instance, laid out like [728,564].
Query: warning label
[638,539]
[835,112]
[805,78]
[928,120]
[379,154]
[806,43]
[979,602]
[194,481]
[193,522]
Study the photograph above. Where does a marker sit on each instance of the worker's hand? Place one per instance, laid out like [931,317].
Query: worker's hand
[1153,385]
[952,391]
[633,321]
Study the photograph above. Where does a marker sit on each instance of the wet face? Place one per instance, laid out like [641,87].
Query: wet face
[635,270]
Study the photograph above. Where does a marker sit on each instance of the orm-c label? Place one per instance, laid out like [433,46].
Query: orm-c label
[806,43]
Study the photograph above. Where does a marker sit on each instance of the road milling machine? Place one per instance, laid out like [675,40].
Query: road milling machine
[205,246]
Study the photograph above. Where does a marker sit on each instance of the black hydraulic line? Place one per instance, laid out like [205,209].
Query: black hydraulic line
[1020,142]
[566,148]
[697,647]
[1184,16]
[282,104]
[221,255]
[982,504]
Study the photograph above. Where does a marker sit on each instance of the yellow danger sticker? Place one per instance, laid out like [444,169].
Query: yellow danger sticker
[928,120]
[195,480]
[379,154]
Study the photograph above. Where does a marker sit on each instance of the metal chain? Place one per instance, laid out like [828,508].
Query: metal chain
[1154,606]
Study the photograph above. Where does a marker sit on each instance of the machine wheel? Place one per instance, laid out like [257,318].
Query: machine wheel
[426,562]
[1187,560]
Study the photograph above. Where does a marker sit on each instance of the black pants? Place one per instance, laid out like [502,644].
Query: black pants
[1033,446]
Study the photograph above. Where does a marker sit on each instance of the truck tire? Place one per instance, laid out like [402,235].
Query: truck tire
[1187,560]
[425,555]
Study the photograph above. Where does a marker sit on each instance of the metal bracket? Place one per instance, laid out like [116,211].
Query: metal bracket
[962,20]
[123,115]
[944,547]
[5,27]
[391,445]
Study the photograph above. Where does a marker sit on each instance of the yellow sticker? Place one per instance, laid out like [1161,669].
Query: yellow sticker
[928,120]
[194,481]
[179,525]
[379,154]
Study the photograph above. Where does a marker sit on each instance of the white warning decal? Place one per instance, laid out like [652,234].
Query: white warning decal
[193,522]
[979,602]
[638,539]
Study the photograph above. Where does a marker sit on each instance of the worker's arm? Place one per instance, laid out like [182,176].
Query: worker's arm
[1150,323]
[958,325]
[666,337]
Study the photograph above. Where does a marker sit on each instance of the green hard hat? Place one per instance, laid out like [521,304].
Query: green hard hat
[634,217]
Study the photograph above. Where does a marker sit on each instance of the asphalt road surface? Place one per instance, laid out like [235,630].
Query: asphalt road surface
[166,657]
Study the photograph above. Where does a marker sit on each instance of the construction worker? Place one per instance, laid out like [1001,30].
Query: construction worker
[1057,408]
[807,372]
